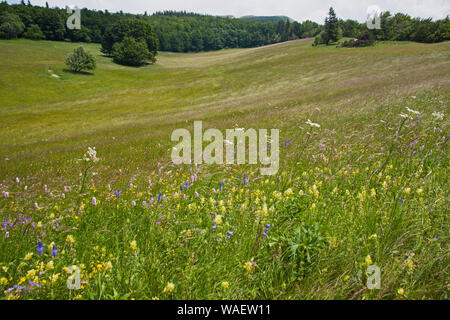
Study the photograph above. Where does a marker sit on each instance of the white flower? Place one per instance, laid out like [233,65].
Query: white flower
[406,116]
[438,115]
[312,124]
[412,111]
[91,155]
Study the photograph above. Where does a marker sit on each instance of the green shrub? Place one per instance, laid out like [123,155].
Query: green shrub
[364,39]
[10,26]
[131,52]
[137,29]
[80,60]
[34,33]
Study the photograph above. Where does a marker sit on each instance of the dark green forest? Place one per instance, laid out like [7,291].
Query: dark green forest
[190,32]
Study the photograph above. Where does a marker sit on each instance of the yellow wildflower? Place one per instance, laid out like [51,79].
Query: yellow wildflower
[169,287]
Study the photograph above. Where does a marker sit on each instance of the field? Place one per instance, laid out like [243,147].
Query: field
[367,187]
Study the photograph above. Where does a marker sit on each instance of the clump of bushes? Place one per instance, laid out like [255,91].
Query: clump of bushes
[10,26]
[130,42]
[131,52]
[80,60]
[34,33]
[364,39]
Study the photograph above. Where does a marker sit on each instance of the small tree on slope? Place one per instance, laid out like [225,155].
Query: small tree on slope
[80,60]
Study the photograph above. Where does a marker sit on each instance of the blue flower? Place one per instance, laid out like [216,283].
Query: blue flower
[186,185]
[229,234]
[245,179]
[220,186]
[181,188]
[40,247]
[159,197]
[54,250]
[117,192]
[214,227]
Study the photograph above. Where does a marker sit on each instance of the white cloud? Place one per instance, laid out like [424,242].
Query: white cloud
[299,10]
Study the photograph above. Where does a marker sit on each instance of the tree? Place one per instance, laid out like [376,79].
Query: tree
[134,28]
[51,24]
[131,52]
[10,26]
[80,60]
[332,30]
[34,33]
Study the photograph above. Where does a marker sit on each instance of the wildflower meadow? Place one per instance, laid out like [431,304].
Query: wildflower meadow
[92,207]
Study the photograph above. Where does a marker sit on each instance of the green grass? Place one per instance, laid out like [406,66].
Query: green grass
[368,186]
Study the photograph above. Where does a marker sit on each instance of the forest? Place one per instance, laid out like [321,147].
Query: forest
[191,32]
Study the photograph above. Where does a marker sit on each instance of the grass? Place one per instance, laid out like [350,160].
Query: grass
[367,187]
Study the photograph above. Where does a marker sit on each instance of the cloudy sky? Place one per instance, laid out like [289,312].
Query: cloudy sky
[299,10]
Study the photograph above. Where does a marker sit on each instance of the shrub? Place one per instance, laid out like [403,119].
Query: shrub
[137,29]
[34,33]
[80,60]
[131,52]
[364,39]
[318,39]
[10,26]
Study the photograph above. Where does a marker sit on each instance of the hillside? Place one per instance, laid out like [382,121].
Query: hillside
[366,186]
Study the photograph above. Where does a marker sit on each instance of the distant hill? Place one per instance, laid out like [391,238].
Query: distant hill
[267,18]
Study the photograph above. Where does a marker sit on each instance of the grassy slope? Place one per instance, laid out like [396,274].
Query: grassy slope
[129,113]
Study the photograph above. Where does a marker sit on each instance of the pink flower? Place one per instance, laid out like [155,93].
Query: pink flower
[63,196]
[36,205]
[6,194]
[133,203]
[17,179]
[94,201]
[196,193]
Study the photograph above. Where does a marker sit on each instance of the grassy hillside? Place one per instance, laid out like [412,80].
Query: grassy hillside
[373,179]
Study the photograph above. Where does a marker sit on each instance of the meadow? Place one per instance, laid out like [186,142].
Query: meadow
[363,183]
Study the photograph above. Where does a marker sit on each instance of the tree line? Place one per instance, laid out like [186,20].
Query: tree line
[191,32]
[398,27]
[176,31]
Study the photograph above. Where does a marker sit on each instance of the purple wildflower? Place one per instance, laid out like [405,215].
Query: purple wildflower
[40,247]
[54,250]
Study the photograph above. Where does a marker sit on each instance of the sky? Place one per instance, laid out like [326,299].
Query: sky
[300,10]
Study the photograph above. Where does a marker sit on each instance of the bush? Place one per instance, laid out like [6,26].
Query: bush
[364,39]
[137,29]
[131,52]
[34,33]
[318,39]
[80,60]
[10,26]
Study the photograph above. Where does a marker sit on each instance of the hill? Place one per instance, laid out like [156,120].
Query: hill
[362,180]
